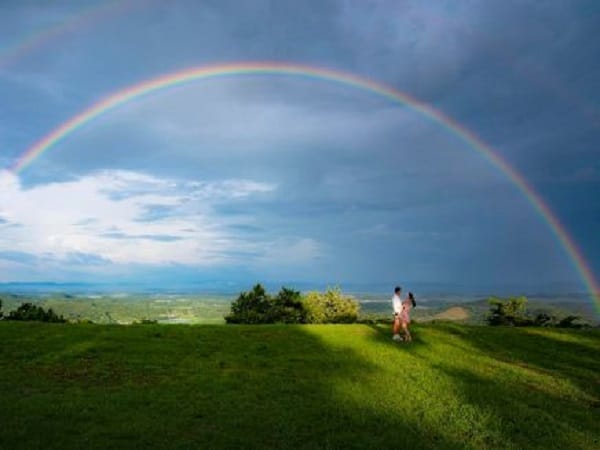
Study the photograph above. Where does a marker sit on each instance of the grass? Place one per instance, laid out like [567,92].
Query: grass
[330,386]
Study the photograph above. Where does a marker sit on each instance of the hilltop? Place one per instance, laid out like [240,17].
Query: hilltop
[276,386]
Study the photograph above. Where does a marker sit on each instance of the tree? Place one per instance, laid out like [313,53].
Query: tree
[251,307]
[287,307]
[511,311]
[31,312]
[544,320]
[571,322]
[330,307]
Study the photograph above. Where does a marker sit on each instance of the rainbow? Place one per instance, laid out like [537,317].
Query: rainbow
[77,21]
[296,70]
[102,11]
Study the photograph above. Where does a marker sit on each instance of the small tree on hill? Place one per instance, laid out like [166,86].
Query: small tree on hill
[31,312]
[544,320]
[572,322]
[287,307]
[251,307]
[330,307]
[511,311]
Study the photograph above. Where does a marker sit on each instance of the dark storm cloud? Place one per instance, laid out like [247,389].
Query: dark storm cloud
[354,172]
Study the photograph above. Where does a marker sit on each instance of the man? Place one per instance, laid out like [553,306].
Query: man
[397,304]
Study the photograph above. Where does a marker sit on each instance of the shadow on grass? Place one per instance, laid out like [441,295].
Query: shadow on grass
[542,350]
[534,387]
[196,387]
[153,386]
[525,416]
[568,391]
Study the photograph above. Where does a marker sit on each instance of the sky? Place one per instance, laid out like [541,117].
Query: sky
[266,177]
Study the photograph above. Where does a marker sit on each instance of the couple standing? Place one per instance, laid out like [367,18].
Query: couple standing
[402,314]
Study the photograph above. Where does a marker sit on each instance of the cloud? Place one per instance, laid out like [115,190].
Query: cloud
[151,237]
[94,219]
[19,257]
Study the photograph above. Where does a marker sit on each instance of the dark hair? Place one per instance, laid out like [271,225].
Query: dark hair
[411,297]
[397,289]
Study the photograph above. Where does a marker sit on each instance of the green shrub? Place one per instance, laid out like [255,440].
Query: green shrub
[510,311]
[330,307]
[251,307]
[544,320]
[145,322]
[31,312]
[572,322]
[287,307]
[513,312]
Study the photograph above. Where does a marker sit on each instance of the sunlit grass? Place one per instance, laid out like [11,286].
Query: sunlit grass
[76,386]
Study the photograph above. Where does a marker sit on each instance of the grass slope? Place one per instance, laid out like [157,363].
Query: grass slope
[332,386]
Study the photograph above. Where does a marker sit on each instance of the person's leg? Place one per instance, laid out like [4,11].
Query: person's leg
[407,336]
[396,327]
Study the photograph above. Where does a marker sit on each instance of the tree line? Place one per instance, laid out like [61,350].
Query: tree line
[31,312]
[289,306]
[512,311]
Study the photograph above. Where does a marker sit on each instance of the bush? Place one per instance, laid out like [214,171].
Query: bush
[544,320]
[511,311]
[330,307]
[572,322]
[31,312]
[251,307]
[145,322]
[1,308]
[288,306]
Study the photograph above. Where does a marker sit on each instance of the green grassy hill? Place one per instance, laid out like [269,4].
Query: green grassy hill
[332,386]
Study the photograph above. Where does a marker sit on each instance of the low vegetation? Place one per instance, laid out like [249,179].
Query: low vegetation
[513,312]
[30,312]
[289,306]
[331,306]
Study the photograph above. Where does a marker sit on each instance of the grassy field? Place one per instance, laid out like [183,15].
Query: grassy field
[332,386]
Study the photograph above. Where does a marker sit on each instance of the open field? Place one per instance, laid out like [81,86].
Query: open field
[129,308]
[330,386]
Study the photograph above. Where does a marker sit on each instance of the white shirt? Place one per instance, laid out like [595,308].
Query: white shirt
[397,303]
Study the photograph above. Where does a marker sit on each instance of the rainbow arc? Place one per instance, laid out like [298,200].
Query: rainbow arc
[148,87]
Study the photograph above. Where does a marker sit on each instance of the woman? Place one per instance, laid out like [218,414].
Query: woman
[405,315]
[397,305]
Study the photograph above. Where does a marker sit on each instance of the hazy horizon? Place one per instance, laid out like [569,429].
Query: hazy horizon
[233,287]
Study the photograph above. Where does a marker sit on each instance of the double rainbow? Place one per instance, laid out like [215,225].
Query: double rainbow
[296,70]
[81,19]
